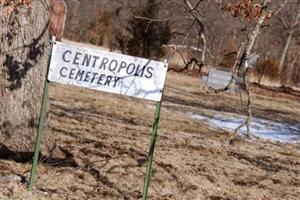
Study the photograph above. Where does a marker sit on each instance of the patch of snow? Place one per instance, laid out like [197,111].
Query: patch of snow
[267,129]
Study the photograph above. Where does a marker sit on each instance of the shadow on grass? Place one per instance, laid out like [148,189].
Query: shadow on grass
[25,157]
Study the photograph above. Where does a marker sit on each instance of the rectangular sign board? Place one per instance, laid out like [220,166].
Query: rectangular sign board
[107,71]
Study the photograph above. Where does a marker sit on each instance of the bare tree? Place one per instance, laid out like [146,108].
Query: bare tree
[260,12]
[289,19]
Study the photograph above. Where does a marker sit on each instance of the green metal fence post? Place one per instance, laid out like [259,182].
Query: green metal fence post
[39,135]
[42,118]
[151,150]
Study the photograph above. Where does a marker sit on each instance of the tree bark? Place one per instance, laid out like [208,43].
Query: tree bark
[24,51]
[248,48]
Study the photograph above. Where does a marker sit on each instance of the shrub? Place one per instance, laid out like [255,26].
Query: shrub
[269,69]
[145,35]
[102,30]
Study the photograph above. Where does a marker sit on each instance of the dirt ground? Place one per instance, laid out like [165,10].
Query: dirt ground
[104,139]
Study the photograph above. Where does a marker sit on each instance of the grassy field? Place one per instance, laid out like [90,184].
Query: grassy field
[101,141]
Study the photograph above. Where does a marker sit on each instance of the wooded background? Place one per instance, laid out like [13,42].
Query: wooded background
[135,25]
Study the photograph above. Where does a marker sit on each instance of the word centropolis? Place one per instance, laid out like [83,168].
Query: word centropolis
[103,64]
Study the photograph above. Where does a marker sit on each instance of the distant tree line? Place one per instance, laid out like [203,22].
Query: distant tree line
[142,27]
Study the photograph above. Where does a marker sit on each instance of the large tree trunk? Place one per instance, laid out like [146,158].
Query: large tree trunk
[24,51]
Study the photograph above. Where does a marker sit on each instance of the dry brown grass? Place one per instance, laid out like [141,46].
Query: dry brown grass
[108,135]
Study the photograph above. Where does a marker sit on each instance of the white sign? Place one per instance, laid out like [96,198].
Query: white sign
[107,71]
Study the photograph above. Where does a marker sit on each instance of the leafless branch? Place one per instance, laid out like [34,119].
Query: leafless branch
[150,19]
[189,64]
[196,6]
[199,20]
[195,14]
[283,22]
[280,8]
